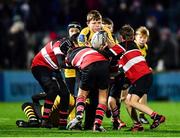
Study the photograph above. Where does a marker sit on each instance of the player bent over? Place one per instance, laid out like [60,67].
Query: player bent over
[94,72]
[94,68]
[45,68]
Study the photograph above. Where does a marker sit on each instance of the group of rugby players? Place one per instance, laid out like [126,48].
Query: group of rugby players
[106,71]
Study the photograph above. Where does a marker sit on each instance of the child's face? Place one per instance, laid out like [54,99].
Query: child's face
[141,39]
[73,31]
[108,26]
[95,25]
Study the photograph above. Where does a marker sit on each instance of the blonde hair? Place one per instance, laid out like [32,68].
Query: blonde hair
[142,31]
[94,15]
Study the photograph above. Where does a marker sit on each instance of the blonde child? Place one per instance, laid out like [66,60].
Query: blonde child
[141,38]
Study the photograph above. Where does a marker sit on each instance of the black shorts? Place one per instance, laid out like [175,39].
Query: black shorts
[142,85]
[116,86]
[96,75]
[43,74]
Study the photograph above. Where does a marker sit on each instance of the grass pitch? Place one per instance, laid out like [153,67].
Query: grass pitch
[10,112]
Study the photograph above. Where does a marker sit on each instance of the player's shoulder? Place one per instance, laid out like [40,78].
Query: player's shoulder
[106,29]
[84,36]
[85,31]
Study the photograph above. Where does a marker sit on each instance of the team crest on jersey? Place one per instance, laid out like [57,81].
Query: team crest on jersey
[81,38]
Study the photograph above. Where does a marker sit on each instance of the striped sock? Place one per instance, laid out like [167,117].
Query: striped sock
[101,108]
[47,109]
[80,105]
[29,112]
[115,113]
[63,118]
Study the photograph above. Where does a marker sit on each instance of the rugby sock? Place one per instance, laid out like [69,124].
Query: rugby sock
[72,109]
[72,114]
[29,111]
[48,104]
[100,110]
[118,103]
[115,113]
[72,101]
[80,105]
[63,118]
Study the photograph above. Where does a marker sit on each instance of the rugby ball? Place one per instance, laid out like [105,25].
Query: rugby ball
[99,39]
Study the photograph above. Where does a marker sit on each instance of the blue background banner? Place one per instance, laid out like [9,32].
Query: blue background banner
[18,86]
[21,85]
[166,86]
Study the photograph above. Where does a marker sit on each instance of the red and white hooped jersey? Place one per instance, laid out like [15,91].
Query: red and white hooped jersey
[134,65]
[81,57]
[84,56]
[47,56]
[117,49]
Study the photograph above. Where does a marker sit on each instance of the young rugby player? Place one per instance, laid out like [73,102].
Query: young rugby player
[45,68]
[94,24]
[71,74]
[140,75]
[116,84]
[34,111]
[141,38]
[94,68]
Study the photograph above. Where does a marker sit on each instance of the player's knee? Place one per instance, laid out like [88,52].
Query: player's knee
[103,100]
[111,101]
[132,103]
[127,102]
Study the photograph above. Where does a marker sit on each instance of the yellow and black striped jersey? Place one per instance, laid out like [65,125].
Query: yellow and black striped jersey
[143,49]
[57,103]
[86,34]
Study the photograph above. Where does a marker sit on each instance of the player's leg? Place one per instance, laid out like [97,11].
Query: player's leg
[114,103]
[139,89]
[80,107]
[101,72]
[90,109]
[134,102]
[84,87]
[157,118]
[63,107]
[50,86]
[70,82]
[100,110]
[72,109]
[33,119]
[132,113]
[142,117]
[55,117]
